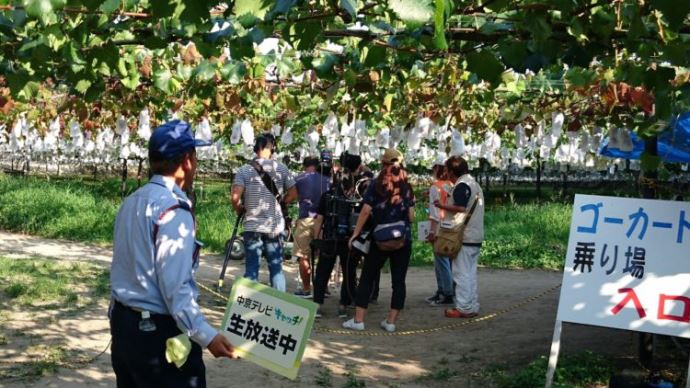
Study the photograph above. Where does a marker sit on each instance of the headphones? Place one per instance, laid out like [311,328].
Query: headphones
[263,141]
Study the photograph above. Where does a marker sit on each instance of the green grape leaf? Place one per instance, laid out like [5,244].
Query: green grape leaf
[388,102]
[580,77]
[162,78]
[109,6]
[486,66]
[375,56]
[155,42]
[440,26]
[122,67]
[415,13]
[91,5]
[205,71]
[324,65]
[241,48]
[233,72]
[195,11]
[44,10]
[350,6]
[248,12]
[82,86]
[163,8]
[513,54]
[258,70]
[282,7]
[132,80]
[306,33]
[95,91]
[184,71]
[284,67]
[103,69]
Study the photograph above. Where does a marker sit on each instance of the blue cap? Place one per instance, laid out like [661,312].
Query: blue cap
[326,156]
[173,139]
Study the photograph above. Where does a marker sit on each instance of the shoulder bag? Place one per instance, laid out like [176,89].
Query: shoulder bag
[449,239]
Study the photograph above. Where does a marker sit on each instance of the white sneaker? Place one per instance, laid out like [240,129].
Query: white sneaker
[389,327]
[352,325]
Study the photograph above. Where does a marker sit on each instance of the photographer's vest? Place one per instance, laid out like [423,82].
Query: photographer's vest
[474,231]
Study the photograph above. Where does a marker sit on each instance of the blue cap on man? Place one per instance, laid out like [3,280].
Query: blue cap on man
[326,156]
[173,139]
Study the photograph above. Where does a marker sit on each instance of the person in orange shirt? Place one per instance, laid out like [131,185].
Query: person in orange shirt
[439,191]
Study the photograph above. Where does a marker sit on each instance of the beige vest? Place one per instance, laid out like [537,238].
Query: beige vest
[474,231]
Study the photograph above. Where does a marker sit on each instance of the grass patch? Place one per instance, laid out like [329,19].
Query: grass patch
[324,378]
[46,361]
[351,381]
[526,236]
[519,233]
[441,374]
[63,209]
[39,282]
[581,370]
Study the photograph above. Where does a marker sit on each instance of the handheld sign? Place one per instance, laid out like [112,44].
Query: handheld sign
[268,327]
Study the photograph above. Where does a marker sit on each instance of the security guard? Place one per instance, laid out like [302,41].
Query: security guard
[155,254]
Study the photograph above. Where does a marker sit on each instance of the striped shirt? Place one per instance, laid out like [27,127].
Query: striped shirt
[262,213]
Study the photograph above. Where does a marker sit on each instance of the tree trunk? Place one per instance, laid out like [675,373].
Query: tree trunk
[564,189]
[141,166]
[648,188]
[123,189]
[538,177]
[505,184]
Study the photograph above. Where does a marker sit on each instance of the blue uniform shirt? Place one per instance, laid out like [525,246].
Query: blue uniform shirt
[155,255]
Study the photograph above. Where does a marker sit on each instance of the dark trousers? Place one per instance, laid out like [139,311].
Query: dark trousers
[373,262]
[328,250]
[138,357]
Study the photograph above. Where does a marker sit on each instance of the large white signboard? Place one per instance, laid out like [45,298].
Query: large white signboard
[628,265]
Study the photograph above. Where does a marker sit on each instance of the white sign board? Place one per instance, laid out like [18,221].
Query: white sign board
[268,327]
[628,265]
[423,229]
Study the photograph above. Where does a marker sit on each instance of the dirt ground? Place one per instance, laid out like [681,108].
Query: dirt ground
[515,330]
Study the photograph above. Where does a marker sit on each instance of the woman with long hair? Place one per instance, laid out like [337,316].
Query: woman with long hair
[389,201]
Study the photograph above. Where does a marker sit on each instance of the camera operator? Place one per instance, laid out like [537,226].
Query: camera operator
[335,221]
[356,178]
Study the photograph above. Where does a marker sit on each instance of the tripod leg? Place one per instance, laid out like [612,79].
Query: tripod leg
[228,252]
[312,272]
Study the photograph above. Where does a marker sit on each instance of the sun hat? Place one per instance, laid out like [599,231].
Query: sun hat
[392,155]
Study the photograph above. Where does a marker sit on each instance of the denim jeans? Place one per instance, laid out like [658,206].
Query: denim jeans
[444,275]
[258,244]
